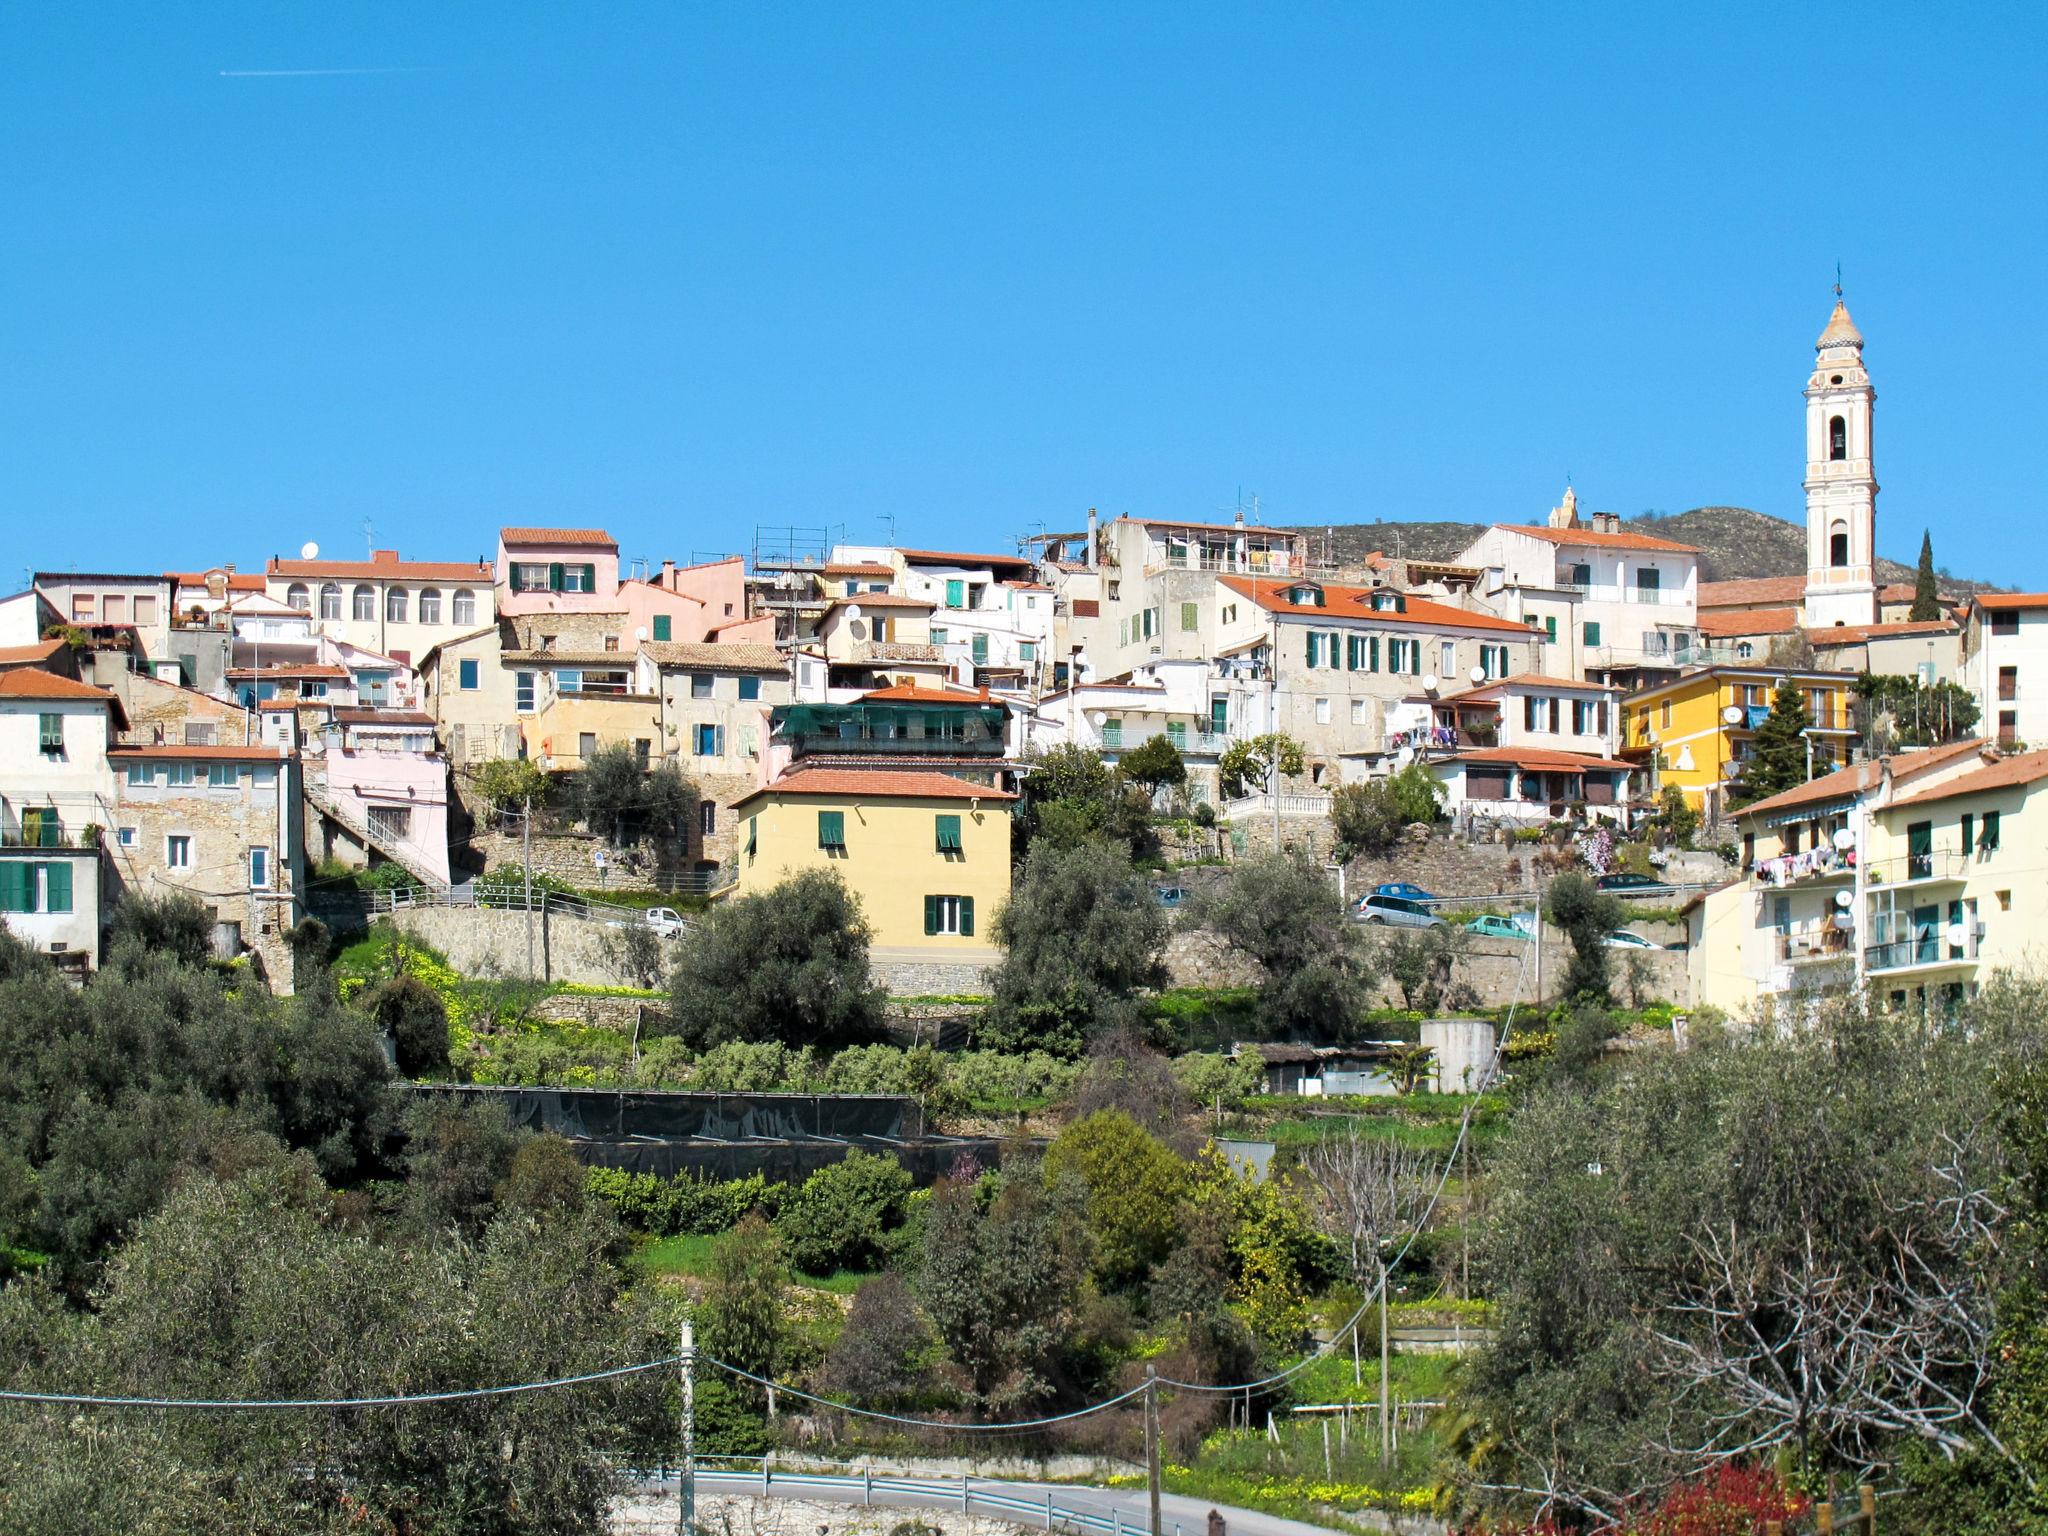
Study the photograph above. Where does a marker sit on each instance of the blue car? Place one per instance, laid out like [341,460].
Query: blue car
[1404,890]
[1171,897]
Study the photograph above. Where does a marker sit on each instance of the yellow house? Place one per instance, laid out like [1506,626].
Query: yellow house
[927,854]
[1912,876]
[1696,730]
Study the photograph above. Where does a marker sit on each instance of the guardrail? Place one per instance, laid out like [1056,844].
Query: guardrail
[496,899]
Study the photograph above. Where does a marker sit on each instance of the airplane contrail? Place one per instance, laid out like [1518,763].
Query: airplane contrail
[283,74]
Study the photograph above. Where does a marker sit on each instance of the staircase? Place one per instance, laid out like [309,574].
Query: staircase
[396,850]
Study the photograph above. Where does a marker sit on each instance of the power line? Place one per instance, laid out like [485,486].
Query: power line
[87,1400]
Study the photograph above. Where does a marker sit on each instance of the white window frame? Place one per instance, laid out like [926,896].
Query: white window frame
[947,916]
[124,837]
[171,842]
[259,854]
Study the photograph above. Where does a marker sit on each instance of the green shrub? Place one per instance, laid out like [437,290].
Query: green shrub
[409,1011]
[841,1214]
[686,1203]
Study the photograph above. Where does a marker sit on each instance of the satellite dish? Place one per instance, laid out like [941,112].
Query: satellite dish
[1477,674]
[852,611]
[1431,683]
[1844,899]
[1095,717]
[309,550]
[1957,934]
[1732,715]
[1844,839]
[640,633]
[1843,920]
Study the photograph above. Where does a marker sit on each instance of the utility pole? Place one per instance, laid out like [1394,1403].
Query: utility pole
[1152,1445]
[526,859]
[1538,998]
[686,1493]
[1386,1375]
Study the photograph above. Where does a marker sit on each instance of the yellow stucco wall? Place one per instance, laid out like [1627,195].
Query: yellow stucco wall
[892,861]
[1683,721]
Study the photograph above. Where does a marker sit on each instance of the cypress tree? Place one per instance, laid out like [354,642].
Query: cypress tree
[1777,759]
[1926,600]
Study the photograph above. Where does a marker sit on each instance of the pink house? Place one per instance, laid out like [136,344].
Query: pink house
[557,570]
[381,783]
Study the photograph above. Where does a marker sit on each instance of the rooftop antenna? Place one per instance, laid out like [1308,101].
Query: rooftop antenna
[369,541]
[890,519]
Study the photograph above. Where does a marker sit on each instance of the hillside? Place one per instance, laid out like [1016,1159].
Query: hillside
[1734,543]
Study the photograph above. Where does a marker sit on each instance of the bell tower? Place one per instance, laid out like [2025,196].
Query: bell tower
[1841,480]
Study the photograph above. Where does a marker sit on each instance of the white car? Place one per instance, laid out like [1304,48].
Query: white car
[1621,938]
[665,921]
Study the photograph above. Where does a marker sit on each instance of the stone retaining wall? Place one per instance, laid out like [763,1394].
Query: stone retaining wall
[480,941]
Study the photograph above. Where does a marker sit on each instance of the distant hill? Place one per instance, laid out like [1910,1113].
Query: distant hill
[1734,543]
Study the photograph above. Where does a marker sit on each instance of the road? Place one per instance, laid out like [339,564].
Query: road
[1073,1506]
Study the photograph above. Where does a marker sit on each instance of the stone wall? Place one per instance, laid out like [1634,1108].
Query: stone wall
[619,1013]
[479,941]
[572,857]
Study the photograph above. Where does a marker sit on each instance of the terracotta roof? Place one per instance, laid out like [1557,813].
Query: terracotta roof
[2011,600]
[595,538]
[32,683]
[1603,540]
[1859,778]
[1532,680]
[1028,586]
[267,705]
[911,693]
[616,659]
[1751,592]
[1855,634]
[1841,330]
[385,564]
[1348,602]
[1735,623]
[355,716]
[883,600]
[2006,773]
[1539,758]
[954,557]
[201,754]
[27,655]
[248,583]
[877,784]
[856,568]
[730,658]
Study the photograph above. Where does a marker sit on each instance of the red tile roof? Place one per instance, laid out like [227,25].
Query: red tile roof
[911,693]
[1752,592]
[32,683]
[1858,778]
[1856,634]
[248,583]
[1348,602]
[595,538]
[877,784]
[1588,537]
[2012,600]
[1541,759]
[2006,773]
[25,655]
[883,600]
[385,564]
[856,568]
[1532,680]
[1735,623]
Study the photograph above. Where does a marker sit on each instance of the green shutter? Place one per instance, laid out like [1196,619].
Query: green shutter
[58,887]
[1969,831]
[967,917]
[661,630]
[931,914]
[981,650]
[1592,633]
[1314,648]
[52,733]
[831,829]
[753,829]
[1990,838]
[1190,616]
[17,880]
[1550,627]
[556,580]
[590,578]
[949,834]
[956,594]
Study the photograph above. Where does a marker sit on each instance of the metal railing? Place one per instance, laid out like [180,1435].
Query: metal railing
[1921,949]
[1819,944]
[497,898]
[1935,864]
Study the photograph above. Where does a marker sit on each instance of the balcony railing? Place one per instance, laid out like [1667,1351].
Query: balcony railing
[45,837]
[1200,742]
[1272,563]
[1655,597]
[1815,945]
[1936,864]
[1922,949]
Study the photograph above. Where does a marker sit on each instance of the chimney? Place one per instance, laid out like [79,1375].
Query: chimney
[1094,559]
[1607,522]
[668,574]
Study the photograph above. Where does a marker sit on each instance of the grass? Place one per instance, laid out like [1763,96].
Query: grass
[689,1254]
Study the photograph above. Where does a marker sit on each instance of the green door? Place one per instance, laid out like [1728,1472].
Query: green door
[1919,850]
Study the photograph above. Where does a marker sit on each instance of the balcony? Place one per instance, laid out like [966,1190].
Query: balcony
[1818,866]
[896,650]
[48,835]
[1256,562]
[1920,952]
[1652,597]
[1930,868]
[1197,743]
[1814,946]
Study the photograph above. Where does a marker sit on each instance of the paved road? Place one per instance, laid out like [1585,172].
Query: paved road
[1074,1507]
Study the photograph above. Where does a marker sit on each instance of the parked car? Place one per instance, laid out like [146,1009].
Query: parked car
[1621,938]
[1404,890]
[665,921]
[1170,897]
[1397,912]
[1491,927]
[1635,885]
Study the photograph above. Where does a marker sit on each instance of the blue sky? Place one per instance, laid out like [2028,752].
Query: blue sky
[683,270]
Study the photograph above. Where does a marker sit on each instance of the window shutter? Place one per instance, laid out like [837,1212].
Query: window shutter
[931,914]
[1190,616]
[58,876]
[590,578]
[1550,627]
[1372,646]
[661,626]
[11,885]
[949,834]
[956,592]
[831,829]
[967,917]
[556,579]
[1592,632]
[1990,838]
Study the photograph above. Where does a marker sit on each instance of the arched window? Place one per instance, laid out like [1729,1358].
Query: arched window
[465,606]
[430,605]
[394,605]
[1838,438]
[330,600]
[297,596]
[365,604]
[1838,544]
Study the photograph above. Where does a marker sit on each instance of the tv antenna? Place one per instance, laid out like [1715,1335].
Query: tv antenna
[369,541]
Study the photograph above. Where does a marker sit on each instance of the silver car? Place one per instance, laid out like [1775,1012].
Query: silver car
[1397,912]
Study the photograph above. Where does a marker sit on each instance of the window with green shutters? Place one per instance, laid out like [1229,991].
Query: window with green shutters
[1190,617]
[56,886]
[1315,649]
[18,886]
[949,915]
[832,831]
[50,733]
[981,650]
[949,834]
[662,626]
[1027,651]
[1550,627]
[1987,841]
[470,675]
[752,832]
[1591,632]
[956,594]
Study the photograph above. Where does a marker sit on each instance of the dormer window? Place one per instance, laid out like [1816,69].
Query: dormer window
[1389,602]
[1306,596]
